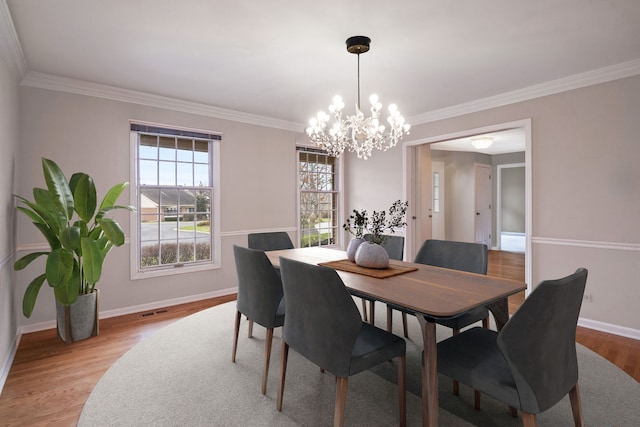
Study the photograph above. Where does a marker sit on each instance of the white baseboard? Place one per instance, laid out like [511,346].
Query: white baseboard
[6,364]
[135,309]
[609,328]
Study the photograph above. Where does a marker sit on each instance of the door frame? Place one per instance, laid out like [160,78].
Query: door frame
[476,167]
[409,158]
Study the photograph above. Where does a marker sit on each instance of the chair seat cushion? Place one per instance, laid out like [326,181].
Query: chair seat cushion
[465,319]
[474,359]
[374,346]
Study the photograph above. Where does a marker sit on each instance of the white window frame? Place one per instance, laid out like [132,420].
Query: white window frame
[136,273]
[339,240]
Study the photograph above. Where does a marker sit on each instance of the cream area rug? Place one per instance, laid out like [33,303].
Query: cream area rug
[183,376]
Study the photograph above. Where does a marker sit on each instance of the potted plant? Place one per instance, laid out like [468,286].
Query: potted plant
[360,221]
[370,253]
[79,237]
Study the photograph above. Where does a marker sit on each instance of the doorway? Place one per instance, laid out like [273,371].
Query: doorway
[414,170]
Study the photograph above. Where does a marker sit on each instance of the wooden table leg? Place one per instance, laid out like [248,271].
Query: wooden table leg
[430,405]
[500,311]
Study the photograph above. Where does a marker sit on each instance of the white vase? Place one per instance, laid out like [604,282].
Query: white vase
[353,247]
[372,255]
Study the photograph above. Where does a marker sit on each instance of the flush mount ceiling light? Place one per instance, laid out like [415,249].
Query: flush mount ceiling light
[356,133]
[482,143]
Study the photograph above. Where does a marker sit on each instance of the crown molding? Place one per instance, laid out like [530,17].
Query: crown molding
[589,78]
[81,87]
[10,48]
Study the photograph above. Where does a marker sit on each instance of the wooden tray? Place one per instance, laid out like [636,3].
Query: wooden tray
[352,267]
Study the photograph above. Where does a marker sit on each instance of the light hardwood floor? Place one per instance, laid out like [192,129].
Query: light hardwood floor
[49,381]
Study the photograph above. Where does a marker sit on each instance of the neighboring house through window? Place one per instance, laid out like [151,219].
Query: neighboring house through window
[319,198]
[175,175]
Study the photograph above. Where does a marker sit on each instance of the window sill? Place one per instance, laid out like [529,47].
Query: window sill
[172,271]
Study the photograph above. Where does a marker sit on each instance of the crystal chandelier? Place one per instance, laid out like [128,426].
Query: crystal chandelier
[356,133]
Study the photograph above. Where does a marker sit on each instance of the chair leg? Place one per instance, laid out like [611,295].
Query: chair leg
[341,400]
[283,371]
[250,331]
[364,309]
[404,325]
[389,318]
[576,406]
[267,357]
[529,420]
[513,412]
[476,399]
[402,389]
[236,332]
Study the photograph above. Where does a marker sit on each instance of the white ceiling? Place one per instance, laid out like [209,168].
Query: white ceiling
[285,59]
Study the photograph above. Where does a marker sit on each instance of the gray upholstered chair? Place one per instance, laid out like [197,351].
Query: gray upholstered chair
[271,241]
[463,256]
[394,245]
[260,298]
[323,324]
[531,364]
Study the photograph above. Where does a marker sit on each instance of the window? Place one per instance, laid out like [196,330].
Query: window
[177,217]
[318,186]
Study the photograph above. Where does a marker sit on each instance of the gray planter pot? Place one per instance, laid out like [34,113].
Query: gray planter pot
[79,320]
[372,255]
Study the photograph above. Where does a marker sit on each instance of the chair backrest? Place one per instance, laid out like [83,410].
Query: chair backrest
[394,245]
[259,286]
[539,342]
[463,256]
[273,241]
[322,322]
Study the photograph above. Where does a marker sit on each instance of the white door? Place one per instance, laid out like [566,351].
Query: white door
[483,204]
[437,211]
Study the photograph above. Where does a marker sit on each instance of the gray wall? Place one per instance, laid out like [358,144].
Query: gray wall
[9,303]
[512,200]
[585,184]
[513,194]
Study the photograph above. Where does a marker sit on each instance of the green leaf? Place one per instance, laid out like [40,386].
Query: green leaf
[58,187]
[92,260]
[27,259]
[84,231]
[113,194]
[84,195]
[113,231]
[103,212]
[31,294]
[49,234]
[68,293]
[31,214]
[59,267]
[70,238]
[45,206]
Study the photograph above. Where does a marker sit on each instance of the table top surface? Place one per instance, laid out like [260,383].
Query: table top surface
[429,290]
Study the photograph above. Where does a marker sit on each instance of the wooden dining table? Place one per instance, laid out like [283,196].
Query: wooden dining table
[429,292]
